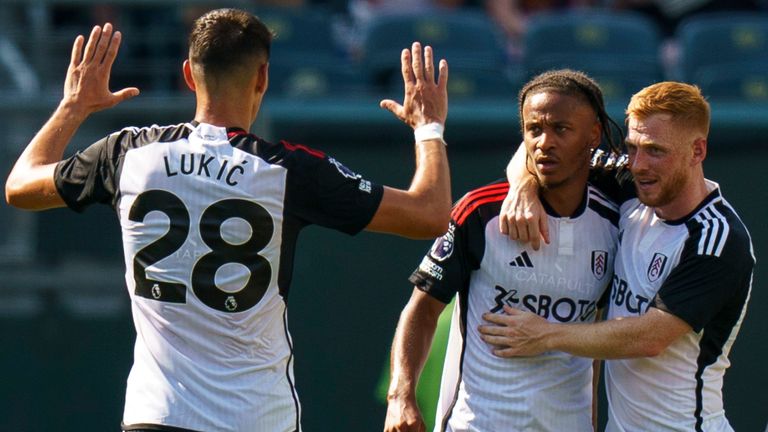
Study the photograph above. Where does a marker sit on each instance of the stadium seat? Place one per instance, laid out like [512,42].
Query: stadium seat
[151,51]
[618,80]
[302,36]
[721,40]
[465,39]
[743,82]
[316,80]
[306,61]
[616,48]
[474,83]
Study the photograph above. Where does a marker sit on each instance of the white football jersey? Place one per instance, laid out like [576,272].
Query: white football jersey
[210,218]
[562,282]
[698,268]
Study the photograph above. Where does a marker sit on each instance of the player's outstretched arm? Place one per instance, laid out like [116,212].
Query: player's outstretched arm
[410,349]
[517,333]
[422,211]
[522,216]
[30,184]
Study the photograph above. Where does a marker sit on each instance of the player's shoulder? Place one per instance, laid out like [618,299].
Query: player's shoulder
[134,136]
[718,231]
[115,145]
[602,205]
[485,200]
[282,152]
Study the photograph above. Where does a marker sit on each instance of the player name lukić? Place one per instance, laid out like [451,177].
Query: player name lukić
[201,164]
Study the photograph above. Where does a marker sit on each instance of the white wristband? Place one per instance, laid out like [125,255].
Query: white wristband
[429,131]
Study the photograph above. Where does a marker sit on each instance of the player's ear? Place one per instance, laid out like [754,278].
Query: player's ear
[262,81]
[187,69]
[699,150]
[596,136]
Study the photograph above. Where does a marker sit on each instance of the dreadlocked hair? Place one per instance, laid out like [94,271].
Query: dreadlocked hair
[577,84]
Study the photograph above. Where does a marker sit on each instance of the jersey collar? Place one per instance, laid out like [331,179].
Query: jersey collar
[232,131]
[579,210]
[711,197]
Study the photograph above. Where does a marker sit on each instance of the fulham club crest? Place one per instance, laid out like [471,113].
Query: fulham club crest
[599,263]
[656,267]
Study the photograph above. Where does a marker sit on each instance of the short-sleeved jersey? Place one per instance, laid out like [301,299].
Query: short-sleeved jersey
[562,282]
[698,268]
[209,219]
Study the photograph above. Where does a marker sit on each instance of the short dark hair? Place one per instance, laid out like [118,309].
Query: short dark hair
[577,84]
[221,39]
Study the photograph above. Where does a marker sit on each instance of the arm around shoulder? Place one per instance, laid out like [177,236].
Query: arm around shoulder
[522,216]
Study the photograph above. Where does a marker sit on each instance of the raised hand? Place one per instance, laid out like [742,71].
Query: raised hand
[425,100]
[86,87]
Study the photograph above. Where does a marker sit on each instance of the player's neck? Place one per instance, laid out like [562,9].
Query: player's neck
[688,198]
[224,111]
[565,199]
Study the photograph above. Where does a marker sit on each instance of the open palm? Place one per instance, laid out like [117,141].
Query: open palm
[87,83]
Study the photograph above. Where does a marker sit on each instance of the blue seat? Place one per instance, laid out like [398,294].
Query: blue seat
[465,39]
[743,82]
[621,48]
[618,80]
[477,84]
[319,80]
[721,40]
[473,83]
[306,61]
[301,36]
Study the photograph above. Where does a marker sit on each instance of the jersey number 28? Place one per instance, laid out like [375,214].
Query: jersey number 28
[222,252]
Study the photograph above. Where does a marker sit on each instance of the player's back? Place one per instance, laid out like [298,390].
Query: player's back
[202,224]
[210,217]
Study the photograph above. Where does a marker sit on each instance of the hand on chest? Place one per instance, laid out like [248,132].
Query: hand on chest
[562,280]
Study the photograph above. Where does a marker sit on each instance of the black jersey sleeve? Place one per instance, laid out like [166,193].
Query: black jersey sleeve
[698,289]
[322,191]
[91,175]
[86,177]
[447,267]
[702,286]
[444,271]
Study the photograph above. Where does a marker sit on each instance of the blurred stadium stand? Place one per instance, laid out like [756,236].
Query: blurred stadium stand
[742,83]
[468,40]
[307,60]
[620,49]
[726,54]
[65,330]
